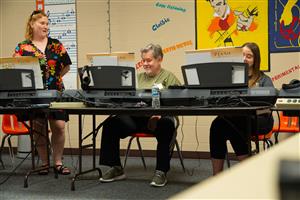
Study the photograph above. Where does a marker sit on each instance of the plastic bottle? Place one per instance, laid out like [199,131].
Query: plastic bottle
[155,96]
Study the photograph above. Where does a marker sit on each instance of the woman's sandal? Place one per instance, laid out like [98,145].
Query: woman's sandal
[61,169]
[44,171]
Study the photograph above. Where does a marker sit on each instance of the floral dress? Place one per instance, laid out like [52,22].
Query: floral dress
[51,62]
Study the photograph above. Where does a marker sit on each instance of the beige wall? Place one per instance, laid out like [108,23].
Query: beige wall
[131,23]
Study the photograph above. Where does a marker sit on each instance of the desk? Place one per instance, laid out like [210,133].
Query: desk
[238,111]
[241,181]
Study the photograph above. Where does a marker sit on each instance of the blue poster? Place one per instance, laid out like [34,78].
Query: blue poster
[284,26]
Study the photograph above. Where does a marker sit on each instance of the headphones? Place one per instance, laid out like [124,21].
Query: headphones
[293,84]
[85,80]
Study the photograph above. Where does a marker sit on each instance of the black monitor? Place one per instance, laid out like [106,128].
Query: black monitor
[17,79]
[107,78]
[216,75]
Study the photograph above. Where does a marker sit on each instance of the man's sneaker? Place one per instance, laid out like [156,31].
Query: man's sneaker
[113,174]
[159,179]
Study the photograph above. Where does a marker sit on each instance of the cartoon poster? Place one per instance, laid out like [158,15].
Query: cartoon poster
[284,25]
[222,23]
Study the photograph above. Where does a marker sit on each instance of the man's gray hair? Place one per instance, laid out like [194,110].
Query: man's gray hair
[155,48]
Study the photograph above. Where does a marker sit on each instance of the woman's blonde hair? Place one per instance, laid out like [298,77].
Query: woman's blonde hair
[37,14]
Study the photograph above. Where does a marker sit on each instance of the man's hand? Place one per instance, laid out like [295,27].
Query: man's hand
[153,121]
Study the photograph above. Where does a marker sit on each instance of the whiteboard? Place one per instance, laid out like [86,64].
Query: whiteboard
[62,24]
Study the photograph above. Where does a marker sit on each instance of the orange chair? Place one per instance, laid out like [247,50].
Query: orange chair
[146,135]
[265,138]
[286,124]
[11,127]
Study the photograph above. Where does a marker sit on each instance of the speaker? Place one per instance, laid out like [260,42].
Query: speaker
[85,79]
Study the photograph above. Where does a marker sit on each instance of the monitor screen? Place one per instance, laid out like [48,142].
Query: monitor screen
[16,80]
[215,75]
[107,78]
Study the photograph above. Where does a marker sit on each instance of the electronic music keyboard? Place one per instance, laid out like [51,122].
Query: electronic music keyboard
[28,98]
[171,97]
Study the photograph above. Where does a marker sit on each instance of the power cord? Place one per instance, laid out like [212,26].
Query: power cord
[278,128]
[71,151]
[191,173]
[13,171]
[82,99]
[21,162]
[182,134]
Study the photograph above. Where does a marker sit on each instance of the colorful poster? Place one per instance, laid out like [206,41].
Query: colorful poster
[284,25]
[222,23]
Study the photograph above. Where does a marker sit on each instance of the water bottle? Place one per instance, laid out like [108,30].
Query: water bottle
[155,96]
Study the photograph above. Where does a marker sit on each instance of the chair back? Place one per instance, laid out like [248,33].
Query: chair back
[287,124]
[11,125]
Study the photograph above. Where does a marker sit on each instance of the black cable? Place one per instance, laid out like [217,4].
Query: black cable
[80,99]
[21,162]
[13,171]
[191,173]
[278,128]
[226,101]
[233,101]
[182,134]
[71,149]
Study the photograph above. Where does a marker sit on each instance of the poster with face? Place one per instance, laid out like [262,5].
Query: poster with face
[223,23]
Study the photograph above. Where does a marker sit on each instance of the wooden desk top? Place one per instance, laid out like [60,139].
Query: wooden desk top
[255,178]
[80,108]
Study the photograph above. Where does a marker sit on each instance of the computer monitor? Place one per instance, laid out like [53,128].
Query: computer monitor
[215,75]
[21,70]
[107,78]
[16,80]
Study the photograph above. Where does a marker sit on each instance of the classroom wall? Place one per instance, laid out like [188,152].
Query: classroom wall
[131,29]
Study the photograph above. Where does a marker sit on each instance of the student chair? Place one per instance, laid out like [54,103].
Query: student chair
[286,124]
[265,138]
[147,135]
[11,127]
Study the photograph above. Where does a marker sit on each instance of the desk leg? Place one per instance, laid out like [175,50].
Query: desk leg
[94,142]
[32,145]
[249,133]
[81,147]
[256,135]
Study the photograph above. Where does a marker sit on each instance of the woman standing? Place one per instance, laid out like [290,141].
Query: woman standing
[55,63]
